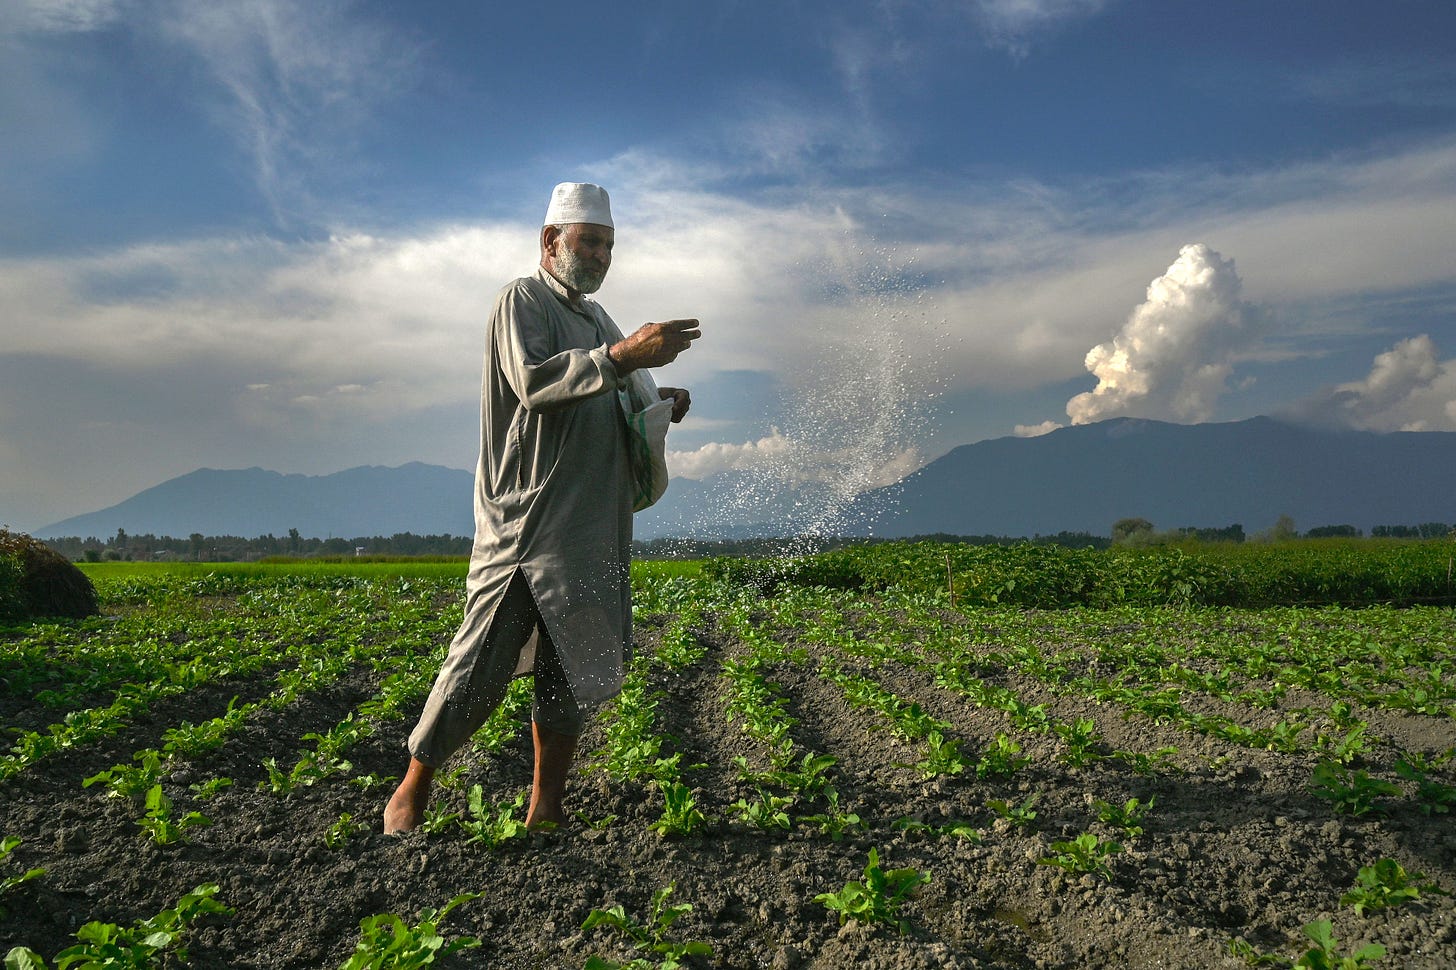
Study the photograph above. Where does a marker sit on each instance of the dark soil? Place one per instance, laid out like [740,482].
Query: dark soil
[1236,846]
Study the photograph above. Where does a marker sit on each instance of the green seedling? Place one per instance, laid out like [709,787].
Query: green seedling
[1350,792]
[372,780]
[1086,854]
[1127,819]
[386,941]
[1386,884]
[681,816]
[204,790]
[1434,797]
[279,781]
[604,822]
[337,834]
[768,812]
[832,822]
[1245,951]
[1001,760]
[1148,764]
[437,820]
[942,756]
[493,824]
[651,936]
[127,780]
[1019,816]
[808,780]
[1080,737]
[1324,956]
[1343,750]
[8,845]
[878,897]
[959,830]
[159,823]
[106,946]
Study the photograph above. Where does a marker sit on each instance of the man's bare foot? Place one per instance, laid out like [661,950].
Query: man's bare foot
[553,760]
[539,818]
[406,808]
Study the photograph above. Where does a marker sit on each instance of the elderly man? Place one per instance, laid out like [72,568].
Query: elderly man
[549,589]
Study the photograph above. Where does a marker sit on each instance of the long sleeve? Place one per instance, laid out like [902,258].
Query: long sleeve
[542,377]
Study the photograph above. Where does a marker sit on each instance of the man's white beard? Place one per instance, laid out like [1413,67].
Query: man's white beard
[574,274]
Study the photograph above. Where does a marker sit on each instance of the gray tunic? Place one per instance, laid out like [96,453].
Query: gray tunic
[553,488]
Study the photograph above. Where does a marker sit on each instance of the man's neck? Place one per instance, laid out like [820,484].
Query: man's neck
[572,296]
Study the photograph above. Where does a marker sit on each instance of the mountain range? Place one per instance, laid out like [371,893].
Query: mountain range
[1076,479]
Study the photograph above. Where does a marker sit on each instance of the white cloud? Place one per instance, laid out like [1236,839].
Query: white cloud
[1409,388]
[59,16]
[1035,430]
[1010,23]
[1177,350]
[295,80]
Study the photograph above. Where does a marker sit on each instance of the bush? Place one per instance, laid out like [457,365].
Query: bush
[35,581]
[1350,572]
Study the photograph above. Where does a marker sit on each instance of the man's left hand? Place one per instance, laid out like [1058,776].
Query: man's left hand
[680,398]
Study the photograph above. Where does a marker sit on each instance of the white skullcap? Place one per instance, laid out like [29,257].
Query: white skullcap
[579,202]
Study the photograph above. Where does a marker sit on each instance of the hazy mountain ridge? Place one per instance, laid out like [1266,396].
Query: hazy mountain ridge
[1077,479]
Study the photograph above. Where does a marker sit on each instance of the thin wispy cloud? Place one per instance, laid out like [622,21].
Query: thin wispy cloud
[293,82]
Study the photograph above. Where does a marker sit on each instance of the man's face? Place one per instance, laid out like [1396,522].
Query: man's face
[581,256]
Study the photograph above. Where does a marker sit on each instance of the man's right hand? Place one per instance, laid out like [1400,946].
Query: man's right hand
[653,345]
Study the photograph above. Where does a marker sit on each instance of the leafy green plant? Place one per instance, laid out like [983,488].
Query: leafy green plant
[942,756]
[204,790]
[159,823]
[128,780]
[1126,818]
[387,942]
[598,824]
[1143,763]
[493,824]
[7,883]
[681,816]
[1080,737]
[956,829]
[1350,792]
[337,834]
[372,780]
[1086,853]
[878,897]
[1384,884]
[651,936]
[1001,760]
[1434,797]
[1346,749]
[833,822]
[437,819]
[767,812]
[1019,816]
[107,946]
[1324,956]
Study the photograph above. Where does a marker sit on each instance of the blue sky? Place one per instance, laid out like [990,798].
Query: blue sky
[264,232]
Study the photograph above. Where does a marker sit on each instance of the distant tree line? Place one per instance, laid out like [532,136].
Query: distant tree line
[197,547]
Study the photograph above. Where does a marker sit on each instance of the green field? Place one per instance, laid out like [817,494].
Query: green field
[903,755]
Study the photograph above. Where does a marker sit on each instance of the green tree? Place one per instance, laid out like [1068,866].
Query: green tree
[1124,530]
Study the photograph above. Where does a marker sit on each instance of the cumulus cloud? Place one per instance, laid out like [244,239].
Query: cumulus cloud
[1176,351]
[790,461]
[1409,388]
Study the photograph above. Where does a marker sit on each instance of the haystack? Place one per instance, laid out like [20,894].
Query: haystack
[36,581]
